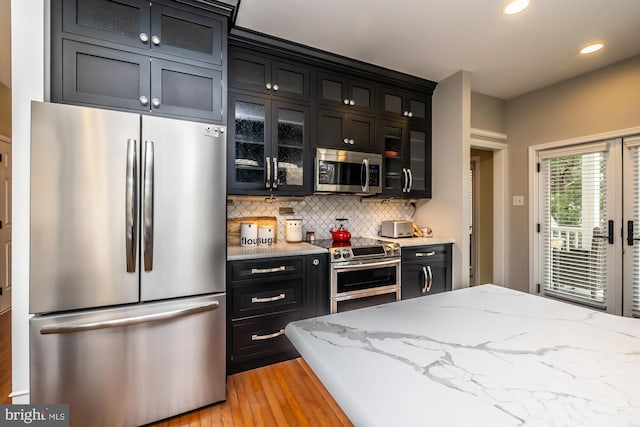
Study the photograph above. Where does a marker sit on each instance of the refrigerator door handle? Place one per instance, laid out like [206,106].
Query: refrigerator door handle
[127,321]
[147,201]
[131,204]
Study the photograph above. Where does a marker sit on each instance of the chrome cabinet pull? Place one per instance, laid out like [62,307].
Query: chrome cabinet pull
[155,102]
[409,187]
[352,141]
[430,278]
[155,40]
[425,275]
[406,180]
[276,87]
[420,254]
[346,140]
[345,101]
[256,300]
[268,86]
[267,337]
[144,37]
[352,102]
[143,100]
[274,184]
[147,197]
[131,203]
[268,181]
[268,270]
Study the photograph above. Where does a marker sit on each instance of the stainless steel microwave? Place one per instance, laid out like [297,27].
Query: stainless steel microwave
[340,171]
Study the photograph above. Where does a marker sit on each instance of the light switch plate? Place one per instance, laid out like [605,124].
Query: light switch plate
[518,200]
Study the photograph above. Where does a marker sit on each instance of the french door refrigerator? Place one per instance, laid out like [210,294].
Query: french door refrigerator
[127,264]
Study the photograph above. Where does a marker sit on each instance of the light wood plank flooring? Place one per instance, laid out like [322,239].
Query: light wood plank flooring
[284,394]
[5,357]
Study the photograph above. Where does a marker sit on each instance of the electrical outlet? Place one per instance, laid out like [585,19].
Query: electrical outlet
[518,200]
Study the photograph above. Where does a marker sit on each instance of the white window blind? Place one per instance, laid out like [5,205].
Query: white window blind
[575,225]
[634,151]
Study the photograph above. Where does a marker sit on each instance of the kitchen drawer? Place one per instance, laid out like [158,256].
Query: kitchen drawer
[252,299]
[262,337]
[284,267]
[424,254]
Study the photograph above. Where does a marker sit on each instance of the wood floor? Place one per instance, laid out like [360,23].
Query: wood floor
[5,357]
[284,394]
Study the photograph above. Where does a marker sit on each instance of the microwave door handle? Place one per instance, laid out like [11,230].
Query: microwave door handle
[365,181]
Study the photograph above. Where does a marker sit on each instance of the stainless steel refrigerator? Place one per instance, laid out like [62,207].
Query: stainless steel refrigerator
[127,264]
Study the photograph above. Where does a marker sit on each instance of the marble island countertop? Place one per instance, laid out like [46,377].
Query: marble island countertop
[482,356]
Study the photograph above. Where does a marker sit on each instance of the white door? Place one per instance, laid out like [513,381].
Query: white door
[580,222]
[631,244]
[5,224]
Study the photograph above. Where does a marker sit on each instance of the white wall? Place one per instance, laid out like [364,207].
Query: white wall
[447,212]
[28,83]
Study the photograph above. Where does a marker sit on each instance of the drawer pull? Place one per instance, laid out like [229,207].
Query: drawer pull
[432,253]
[268,270]
[267,299]
[267,337]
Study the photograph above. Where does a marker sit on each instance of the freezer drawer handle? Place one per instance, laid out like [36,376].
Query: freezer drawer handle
[127,321]
[419,254]
[131,205]
[268,270]
[147,200]
[267,337]
[255,300]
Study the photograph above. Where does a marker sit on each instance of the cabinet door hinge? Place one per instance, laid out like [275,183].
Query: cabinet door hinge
[538,167]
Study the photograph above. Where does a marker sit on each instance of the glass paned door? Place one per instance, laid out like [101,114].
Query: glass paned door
[418,160]
[631,230]
[249,141]
[291,128]
[578,225]
[394,178]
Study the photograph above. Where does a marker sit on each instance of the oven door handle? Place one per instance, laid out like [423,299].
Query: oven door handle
[366,265]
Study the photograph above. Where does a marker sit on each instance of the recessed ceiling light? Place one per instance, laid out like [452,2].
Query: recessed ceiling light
[593,47]
[515,6]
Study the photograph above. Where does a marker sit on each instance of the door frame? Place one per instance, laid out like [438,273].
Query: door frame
[534,189]
[475,180]
[490,141]
[7,289]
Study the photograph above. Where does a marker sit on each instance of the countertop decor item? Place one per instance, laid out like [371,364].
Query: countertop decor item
[340,234]
[293,230]
[504,357]
[233,226]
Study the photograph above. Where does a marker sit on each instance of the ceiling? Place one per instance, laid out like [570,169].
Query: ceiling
[506,55]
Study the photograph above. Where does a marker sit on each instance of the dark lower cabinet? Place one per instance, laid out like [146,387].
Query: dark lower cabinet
[263,296]
[426,270]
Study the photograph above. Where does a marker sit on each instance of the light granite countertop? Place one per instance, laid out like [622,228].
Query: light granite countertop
[481,356]
[277,249]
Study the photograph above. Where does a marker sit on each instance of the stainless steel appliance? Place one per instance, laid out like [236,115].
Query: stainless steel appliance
[341,171]
[363,272]
[127,264]
[395,229]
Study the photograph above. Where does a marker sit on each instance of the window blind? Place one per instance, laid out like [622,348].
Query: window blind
[634,150]
[575,228]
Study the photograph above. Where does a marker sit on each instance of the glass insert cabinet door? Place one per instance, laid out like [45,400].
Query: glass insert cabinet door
[394,172]
[290,135]
[249,123]
[418,160]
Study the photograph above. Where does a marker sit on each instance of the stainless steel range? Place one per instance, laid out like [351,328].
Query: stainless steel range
[364,272]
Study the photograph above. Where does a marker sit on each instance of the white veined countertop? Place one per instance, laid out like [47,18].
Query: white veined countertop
[481,356]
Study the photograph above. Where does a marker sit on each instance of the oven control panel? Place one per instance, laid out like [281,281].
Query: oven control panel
[348,253]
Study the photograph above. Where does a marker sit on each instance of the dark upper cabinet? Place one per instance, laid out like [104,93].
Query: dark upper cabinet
[340,91]
[261,74]
[407,159]
[268,146]
[346,131]
[398,104]
[145,25]
[95,75]
[426,270]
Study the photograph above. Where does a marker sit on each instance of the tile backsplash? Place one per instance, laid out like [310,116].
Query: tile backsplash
[318,213]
